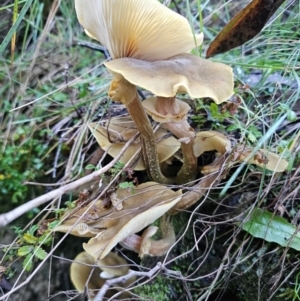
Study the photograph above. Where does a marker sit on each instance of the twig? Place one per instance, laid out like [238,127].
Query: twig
[10,216]
[123,279]
[108,283]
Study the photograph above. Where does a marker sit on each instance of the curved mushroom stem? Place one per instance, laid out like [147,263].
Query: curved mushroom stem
[206,183]
[181,130]
[123,91]
[144,245]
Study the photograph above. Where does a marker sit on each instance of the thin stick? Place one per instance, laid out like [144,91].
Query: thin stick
[8,217]
[123,279]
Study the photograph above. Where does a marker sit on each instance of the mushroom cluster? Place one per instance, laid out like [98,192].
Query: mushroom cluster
[150,48]
[128,212]
[113,136]
[149,43]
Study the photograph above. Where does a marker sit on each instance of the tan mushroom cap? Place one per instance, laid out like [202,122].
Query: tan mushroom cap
[149,105]
[209,141]
[80,271]
[122,128]
[81,268]
[166,145]
[183,73]
[141,29]
[148,202]
[263,158]
[82,227]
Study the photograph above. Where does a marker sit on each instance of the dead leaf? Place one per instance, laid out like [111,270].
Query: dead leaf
[244,26]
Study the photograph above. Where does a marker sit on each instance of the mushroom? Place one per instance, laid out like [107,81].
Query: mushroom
[132,211]
[166,144]
[183,73]
[213,173]
[261,158]
[211,140]
[148,202]
[86,272]
[144,245]
[144,30]
[81,221]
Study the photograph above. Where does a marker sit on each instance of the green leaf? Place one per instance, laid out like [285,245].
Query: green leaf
[40,253]
[30,238]
[32,229]
[27,263]
[232,127]
[292,116]
[127,185]
[45,239]
[54,224]
[70,205]
[90,166]
[13,29]
[17,230]
[23,251]
[263,224]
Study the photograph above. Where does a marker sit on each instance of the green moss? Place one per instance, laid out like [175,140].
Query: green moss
[158,289]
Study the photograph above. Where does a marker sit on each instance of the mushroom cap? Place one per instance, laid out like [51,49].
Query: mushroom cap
[122,128]
[79,272]
[263,158]
[82,227]
[166,145]
[141,29]
[149,105]
[142,207]
[111,266]
[183,73]
[209,141]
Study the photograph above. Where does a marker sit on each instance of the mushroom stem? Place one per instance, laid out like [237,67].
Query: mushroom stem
[199,191]
[160,247]
[123,91]
[167,105]
[182,130]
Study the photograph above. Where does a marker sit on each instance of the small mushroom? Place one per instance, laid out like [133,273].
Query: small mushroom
[262,158]
[166,144]
[210,141]
[172,113]
[144,245]
[214,172]
[148,202]
[86,272]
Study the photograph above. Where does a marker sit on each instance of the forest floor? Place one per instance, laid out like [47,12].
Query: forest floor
[52,88]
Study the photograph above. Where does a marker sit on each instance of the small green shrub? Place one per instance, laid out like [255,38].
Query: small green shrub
[20,161]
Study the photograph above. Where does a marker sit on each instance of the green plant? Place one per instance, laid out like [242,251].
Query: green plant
[31,246]
[19,162]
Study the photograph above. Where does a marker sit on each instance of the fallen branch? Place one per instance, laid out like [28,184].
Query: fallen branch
[10,216]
